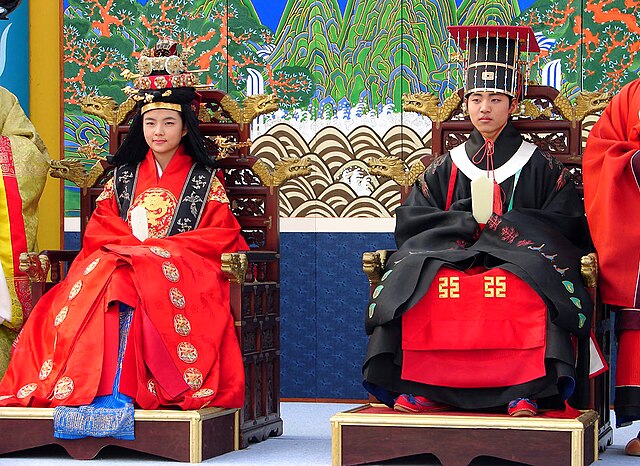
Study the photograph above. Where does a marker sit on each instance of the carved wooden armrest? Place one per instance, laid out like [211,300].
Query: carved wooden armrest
[373,264]
[234,266]
[589,269]
[35,265]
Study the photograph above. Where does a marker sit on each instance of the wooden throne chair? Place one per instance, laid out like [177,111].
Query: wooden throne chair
[374,432]
[192,436]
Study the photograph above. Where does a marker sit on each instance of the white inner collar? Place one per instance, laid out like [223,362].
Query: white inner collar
[515,163]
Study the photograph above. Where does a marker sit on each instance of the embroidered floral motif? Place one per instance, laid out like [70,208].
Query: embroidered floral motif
[158,251]
[61,316]
[565,175]
[184,224]
[63,388]
[217,192]
[26,390]
[108,191]
[151,386]
[199,181]
[177,298]
[509,234]
[193,377]
[91,267]
[493,222]
[182,325]
[46,368]
[203,393]
[187,352]
[372,309]
[524,242]
[170,272]
[75,289]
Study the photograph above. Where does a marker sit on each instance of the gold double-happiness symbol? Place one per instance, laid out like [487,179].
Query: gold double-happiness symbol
[449,287]
[495,287]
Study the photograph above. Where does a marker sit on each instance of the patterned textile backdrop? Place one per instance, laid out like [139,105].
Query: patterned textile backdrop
[340,68]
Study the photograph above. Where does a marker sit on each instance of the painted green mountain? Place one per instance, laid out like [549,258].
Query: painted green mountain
[307,36]
[597,41]
[487,12]
[381,49]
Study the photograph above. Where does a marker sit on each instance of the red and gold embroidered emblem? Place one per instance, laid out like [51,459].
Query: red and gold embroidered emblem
[177,298]
[91,266]
[203,393]
[170,272]
[158,251]
[63,388]
[160,205]
[217,192]
[151,386]
[61,316]
[182,325]
[27,390]
[75,289]
[45,370]
[194,378]
[187,352]
[107,192]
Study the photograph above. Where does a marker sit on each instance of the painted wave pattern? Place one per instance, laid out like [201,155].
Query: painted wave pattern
[340,185]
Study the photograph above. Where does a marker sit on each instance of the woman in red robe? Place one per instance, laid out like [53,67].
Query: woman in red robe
[143,316]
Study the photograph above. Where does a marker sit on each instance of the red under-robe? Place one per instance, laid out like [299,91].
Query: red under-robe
[611,172]
[181,349]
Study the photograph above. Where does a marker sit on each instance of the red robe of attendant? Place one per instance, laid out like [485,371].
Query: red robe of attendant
[611,171]
[181,349]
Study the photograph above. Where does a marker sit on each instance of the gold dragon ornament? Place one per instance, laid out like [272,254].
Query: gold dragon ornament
[394,168]
[428,104]
[106,108]
[252,107]
[586,103]
[285,169]
[74,169]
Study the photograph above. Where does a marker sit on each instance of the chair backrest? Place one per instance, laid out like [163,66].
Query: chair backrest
[540,122]
[254,205]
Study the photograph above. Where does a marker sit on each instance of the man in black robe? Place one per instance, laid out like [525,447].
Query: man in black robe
[476,310]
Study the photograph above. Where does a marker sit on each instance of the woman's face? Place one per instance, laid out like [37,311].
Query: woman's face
[163,131]
[489,112]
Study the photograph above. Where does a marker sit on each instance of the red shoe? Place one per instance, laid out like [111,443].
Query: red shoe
[522,407]
[418,404]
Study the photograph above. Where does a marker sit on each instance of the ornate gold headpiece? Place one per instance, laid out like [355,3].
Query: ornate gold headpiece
[160,69]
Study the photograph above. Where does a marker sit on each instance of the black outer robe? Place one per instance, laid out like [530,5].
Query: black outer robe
[547,210]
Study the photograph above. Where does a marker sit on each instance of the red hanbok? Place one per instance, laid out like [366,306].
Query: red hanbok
[181,348]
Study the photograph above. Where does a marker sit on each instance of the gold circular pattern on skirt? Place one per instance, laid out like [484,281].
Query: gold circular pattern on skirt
[203,393]
[194,378]
[177,298]
[151,386]
[63,388]
[91,266]
[61,316]
[182,325]
[170,272]
[27,390]
[45,370]
[187,352]
[75,289]
[158,251]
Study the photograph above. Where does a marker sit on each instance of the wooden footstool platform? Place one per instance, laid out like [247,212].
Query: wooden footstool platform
[374,432]
[187,436]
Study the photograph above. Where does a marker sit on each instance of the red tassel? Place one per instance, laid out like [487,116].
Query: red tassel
[497,199]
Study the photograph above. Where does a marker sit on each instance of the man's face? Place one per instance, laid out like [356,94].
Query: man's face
[489,112]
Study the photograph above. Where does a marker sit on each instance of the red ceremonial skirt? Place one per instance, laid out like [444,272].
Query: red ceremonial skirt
[475,329]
